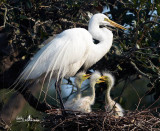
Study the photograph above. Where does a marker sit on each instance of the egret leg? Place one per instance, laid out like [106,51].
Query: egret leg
[58,89]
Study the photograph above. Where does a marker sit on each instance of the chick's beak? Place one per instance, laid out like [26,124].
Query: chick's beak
[101,79]
[87,76]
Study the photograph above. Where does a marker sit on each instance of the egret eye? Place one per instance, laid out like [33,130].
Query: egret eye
[102,26]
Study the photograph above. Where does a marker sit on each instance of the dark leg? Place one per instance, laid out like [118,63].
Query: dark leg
[58,90]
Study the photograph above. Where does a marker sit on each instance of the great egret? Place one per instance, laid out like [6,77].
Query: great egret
[84,104]
[80,77]
[111,105]
[69,51]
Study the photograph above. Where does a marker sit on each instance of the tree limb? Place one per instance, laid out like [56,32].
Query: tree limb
[138,70]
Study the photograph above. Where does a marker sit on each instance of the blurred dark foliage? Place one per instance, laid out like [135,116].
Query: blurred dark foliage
[25,24]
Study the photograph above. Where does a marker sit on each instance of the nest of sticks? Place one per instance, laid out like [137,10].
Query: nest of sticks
[100,120]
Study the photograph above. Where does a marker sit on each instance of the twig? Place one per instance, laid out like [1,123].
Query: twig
[5,14]
[138,70]
[73,23]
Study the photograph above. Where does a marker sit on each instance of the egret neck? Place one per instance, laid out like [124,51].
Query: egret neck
[78,85]
[105,38]
[108,98]
[92,86]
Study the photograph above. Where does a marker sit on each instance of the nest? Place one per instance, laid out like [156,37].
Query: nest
[137,120]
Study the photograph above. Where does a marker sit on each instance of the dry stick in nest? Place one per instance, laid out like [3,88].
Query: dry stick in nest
[137,120]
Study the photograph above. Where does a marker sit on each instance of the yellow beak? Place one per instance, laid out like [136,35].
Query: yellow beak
[87,76]
[101,79]
[115,24]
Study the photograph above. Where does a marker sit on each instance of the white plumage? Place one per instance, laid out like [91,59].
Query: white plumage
[84,104]
[111,105]
[69,50]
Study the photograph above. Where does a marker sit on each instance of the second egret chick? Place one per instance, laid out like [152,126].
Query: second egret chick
[80,77]
[84,104]
[111,105]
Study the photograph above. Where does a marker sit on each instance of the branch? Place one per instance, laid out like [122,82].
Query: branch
[138,70]
[5,13]
[73,23]
[40,106]
[154,22]
[26,91]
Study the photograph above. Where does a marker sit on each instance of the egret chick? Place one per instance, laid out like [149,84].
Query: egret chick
[84,104]
[111,105]
[80,77]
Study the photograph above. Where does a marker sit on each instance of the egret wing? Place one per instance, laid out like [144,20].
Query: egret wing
[68,48]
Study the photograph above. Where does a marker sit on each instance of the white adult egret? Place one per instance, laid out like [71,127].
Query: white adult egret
[111,105]
[84,104]
[80,77]
[69,51]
